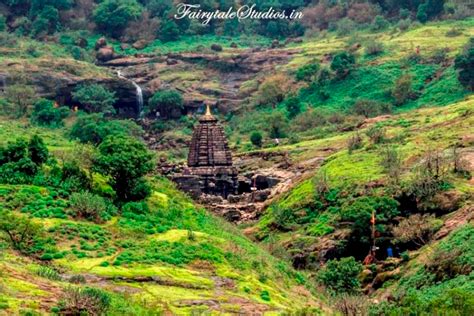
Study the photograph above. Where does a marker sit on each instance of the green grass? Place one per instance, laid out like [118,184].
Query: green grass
[196,43]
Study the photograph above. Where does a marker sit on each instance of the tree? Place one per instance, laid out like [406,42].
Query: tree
[37,150]
[342,64]
[94,128]
[95,98]
[169,31]
[21,96]
[47,22]
[370,108]
[159,8]
[464,64]
[341,275]
[256,138]
[167,102]
[308,72]
[273,90]
[416,228]
[293,106]
[125,160]
[3,23]
[434,8]
[277,124]
[421,14]
[46,114]
[19,231]
[113,16]
[402,92]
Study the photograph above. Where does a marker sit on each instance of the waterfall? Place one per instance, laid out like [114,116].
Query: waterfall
[138,93]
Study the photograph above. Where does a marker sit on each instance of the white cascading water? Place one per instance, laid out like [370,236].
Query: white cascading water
[138,93]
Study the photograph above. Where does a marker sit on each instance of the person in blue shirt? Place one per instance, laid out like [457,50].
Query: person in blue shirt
[389,252]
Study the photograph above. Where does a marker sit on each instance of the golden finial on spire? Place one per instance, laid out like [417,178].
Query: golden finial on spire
[208,110]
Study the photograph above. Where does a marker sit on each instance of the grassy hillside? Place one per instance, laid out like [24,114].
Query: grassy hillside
[175,258]
[373,124]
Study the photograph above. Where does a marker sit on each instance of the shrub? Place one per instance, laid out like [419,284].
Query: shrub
[89,206]
[125,160]
[87,300]
[137,208]
[293,106]
[359,212]
[417,228]
[284,217]
[421,14]
[370,108]
[256,139]
[37,150]
[273,90]
[48,273]
[342,64]
[46,114]
[392,163]
[379,23]
[464,64]
[308,72]
[454,255]
[374,48]
[19,231]
[345,26]
[113,16]
[169,31]
[404,24]
[169,103]
[376,134]
[341,275]
[439,56]
[73,178]
[354,142]
[265,295]
[3,23]
[277,125]
[21,96]
[351,305]
[94,128]
[403,91]
[429,176]
[310,119]
[95,98]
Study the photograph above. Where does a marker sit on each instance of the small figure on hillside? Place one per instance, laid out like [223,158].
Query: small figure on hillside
[418,50]
[370,258]
[389,252]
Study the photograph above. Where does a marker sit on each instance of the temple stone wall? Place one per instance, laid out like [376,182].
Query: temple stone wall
[210,169]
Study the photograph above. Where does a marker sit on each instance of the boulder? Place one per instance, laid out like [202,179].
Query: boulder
[275,44]
[105,53]
[232,215]
[216,47]
[124,46]
[101,42]
[170,61]
[261,195]
[140,44]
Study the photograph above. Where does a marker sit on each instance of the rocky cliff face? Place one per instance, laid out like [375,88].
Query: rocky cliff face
[60,85]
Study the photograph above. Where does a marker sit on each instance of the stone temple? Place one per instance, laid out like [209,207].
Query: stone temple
[209,169]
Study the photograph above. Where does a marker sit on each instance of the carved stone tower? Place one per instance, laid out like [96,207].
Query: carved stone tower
[210,167]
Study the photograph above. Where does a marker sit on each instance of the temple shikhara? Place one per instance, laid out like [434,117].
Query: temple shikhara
[209,169]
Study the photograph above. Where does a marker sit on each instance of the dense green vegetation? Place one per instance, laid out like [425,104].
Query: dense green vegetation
[368,102]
